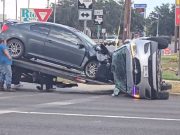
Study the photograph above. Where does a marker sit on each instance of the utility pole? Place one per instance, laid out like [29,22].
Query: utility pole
[55,11]
[28,3]
[127,20]
[176,43]
[47,3]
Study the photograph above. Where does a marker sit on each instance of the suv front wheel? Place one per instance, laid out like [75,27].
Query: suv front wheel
[91,69]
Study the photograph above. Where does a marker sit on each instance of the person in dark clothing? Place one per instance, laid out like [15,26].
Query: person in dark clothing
[5,66]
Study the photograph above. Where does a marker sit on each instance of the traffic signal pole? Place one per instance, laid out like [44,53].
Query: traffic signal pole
[127,20]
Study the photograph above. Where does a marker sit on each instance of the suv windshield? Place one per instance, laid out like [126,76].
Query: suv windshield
[86,38]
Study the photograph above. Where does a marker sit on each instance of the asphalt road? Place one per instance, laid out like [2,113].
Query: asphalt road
[74,113]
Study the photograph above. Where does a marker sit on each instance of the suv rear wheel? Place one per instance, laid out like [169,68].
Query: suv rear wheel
[16,48]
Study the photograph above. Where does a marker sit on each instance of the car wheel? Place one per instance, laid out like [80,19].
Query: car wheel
[166,86]
[91,69]
[163,95]
[162,42]
[16,48]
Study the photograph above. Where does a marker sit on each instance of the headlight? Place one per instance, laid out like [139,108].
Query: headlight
[133,49]
[98,48]
[135,92]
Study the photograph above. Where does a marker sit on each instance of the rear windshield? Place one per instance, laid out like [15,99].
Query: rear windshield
[111,37]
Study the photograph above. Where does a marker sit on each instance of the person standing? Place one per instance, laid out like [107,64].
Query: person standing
[5,66]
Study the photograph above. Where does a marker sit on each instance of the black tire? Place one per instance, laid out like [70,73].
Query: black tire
[91,68]
[163,95]
[16,48]
[162,42]
[166,86]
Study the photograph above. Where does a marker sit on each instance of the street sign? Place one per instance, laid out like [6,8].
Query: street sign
[85,14]
[28,15]
[167,51]
[85,4]
[32,15]
[177,18]
[98,12]
[140,9]
[140,5]
[43,14]
[98,20]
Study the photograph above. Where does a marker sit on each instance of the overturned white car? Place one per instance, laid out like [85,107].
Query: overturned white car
[136,68]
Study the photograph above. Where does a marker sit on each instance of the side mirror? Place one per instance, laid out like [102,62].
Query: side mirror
[81,46]
[98,48]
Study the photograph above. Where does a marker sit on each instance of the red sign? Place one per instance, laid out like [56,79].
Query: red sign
[177,16]
[167,51]
[140,10]
[43,14]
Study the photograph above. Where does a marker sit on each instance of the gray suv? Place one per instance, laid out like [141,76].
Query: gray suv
[55,43]
[136,67]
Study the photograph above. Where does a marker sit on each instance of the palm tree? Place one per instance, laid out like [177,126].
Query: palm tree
[3,9]
[28,3]
[16,9]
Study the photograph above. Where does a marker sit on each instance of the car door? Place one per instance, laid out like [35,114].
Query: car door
[36,39]
[62,46]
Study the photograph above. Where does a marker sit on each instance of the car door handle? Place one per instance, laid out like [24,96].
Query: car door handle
[49,41]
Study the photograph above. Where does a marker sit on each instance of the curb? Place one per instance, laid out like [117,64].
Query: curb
[176,94]
[99,92]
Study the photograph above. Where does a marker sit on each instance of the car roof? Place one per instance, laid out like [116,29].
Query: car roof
[52,24]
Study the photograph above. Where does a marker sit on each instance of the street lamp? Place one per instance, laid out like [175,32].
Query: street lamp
[157,31]
[157,19]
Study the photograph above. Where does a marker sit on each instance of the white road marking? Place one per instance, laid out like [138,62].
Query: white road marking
[100,116]
[69,102]
[7,97]
[6,111]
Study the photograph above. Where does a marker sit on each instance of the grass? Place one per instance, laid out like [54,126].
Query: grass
[170,67]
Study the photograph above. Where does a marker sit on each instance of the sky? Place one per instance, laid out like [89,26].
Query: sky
[10,9]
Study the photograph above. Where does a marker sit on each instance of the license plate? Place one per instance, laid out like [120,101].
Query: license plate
[145,71]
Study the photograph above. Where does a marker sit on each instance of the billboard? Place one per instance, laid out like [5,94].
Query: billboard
[177,18]
[140,9]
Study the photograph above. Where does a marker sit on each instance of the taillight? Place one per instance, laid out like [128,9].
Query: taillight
[4,28]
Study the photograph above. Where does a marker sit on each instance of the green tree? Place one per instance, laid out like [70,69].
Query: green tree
[166,14]
[137,22]
[67,14]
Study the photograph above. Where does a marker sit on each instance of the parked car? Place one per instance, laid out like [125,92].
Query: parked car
[111,40]
[55,43]
[136,67]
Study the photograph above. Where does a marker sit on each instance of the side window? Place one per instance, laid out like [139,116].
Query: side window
[42,29]
[64,35]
